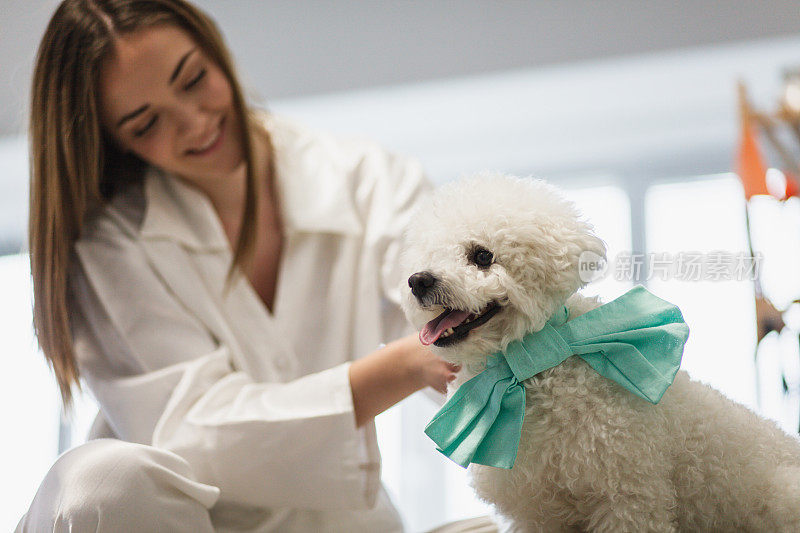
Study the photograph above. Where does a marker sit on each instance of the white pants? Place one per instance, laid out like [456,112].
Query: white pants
[111,485]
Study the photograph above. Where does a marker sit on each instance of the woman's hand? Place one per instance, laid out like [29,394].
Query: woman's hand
[399,369]
[429,369]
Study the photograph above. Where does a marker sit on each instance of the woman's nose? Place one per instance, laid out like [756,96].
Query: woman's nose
[193,123]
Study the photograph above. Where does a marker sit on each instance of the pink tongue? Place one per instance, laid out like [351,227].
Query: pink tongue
[437,326]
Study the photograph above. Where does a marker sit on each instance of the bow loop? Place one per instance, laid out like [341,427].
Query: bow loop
[635,310]
[636,340]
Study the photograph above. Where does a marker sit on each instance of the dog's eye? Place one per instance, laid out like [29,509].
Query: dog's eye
[482,257]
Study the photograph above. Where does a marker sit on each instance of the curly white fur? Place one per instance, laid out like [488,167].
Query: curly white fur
[592,456]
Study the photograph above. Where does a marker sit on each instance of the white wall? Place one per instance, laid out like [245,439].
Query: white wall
[290,48]
[650,116]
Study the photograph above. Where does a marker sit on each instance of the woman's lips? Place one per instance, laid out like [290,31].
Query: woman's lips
[214,145]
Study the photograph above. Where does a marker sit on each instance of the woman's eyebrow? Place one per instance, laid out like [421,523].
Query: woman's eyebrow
[178,68]
[132,115]
[172,79]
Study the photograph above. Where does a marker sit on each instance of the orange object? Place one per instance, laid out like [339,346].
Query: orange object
[792,188]
[752,170]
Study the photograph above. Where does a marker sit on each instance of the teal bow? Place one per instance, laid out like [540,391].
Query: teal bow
[636,340]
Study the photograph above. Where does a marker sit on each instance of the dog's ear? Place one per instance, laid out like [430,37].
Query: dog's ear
[541,260]
[586,253]
[580,247]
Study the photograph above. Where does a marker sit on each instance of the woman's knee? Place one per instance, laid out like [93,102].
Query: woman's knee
[108,483]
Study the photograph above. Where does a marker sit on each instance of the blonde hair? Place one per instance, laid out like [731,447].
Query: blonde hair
[76,168]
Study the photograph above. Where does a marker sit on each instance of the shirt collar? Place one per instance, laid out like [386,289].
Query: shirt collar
[177,211]
[312,193]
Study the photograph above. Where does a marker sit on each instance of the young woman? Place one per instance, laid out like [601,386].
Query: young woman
[218,278]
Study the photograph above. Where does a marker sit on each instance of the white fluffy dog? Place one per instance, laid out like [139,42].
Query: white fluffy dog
[592,457]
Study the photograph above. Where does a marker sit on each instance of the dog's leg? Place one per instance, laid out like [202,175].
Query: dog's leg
[526,498]
[613,461]
[625,488]
[545,525]
[633,513]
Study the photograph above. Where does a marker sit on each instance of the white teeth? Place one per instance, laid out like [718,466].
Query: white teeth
[208,144]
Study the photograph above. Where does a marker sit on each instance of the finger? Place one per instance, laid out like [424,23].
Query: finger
[453,367]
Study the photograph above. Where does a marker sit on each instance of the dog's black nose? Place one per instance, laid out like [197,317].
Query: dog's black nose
[420,283]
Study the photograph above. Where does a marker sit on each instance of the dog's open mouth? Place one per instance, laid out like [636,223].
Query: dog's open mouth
[453,325]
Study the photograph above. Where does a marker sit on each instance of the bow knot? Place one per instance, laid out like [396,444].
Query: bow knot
[636,340]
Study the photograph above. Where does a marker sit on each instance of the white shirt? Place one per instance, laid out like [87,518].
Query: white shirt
[259,404]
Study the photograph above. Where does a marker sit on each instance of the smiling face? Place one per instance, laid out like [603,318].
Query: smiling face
[490,259]
[163,99]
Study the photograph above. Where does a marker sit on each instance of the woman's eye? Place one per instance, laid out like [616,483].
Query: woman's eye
[146,128]
[194,81]
[482,257]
